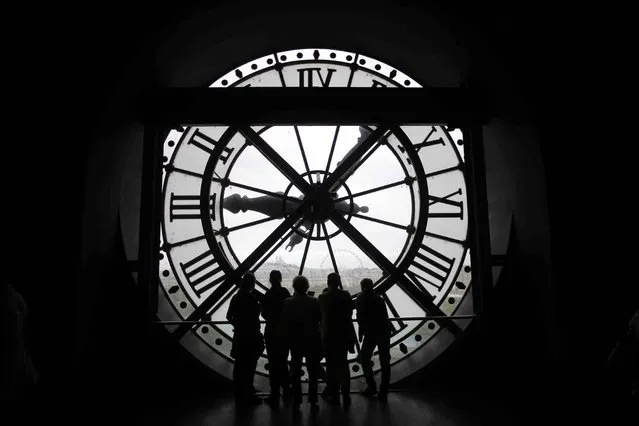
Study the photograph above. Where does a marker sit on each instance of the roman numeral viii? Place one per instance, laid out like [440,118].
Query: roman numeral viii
[202,272]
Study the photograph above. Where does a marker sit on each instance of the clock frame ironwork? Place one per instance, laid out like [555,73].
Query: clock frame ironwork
[166,109]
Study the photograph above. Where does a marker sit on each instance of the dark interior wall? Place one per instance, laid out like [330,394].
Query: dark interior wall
[94,63]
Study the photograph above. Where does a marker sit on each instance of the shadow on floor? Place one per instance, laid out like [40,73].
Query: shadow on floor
[402,409]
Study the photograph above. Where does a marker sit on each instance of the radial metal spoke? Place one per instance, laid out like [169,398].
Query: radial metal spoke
[170,168]
[445,238]
[419,295]
[233,277]
[351,161]
[180,243]
[372,190]
[330,248]
[299,142]
[383,222]
[258,190]
[271,155]
[308,243]
[246,225]
[443,171]
[330,154]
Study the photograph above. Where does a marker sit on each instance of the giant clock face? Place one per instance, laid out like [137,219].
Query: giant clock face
[365,201]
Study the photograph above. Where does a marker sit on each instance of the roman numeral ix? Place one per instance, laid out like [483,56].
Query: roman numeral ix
[188,207]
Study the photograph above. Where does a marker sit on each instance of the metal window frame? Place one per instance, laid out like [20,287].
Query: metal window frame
[162,109]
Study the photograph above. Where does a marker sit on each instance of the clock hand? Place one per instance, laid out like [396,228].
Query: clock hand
[363,133]
[420,296]
[295,240]
[266,204]
[276,207]
[342,207]
[353,159]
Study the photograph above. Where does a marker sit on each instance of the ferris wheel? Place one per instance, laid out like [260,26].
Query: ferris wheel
[326,261]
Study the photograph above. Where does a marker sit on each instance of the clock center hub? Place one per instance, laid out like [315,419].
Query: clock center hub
[323,206]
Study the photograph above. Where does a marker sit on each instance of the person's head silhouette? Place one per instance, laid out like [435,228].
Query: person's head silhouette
[275,278]
[247,284]
[300,284]
[333,280]
[366,285]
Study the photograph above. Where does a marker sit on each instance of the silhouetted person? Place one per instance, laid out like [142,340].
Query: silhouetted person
[338,337]
[374,329]
[244,315]
[276,345]
[302,316]
[623,367]
[327,392]
[19,376]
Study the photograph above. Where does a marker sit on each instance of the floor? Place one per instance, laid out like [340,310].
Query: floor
[450,407]
[401,409]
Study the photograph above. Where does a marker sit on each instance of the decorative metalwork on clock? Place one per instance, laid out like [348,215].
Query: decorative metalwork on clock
[367,201]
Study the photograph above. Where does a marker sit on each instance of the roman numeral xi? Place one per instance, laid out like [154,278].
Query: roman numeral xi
[455,209]
[207,144]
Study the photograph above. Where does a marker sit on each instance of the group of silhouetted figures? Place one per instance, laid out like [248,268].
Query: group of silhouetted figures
[310,328]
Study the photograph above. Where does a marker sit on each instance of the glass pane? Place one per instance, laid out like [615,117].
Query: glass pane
[253,169]
[346,140]
[284,140]
[317,141]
